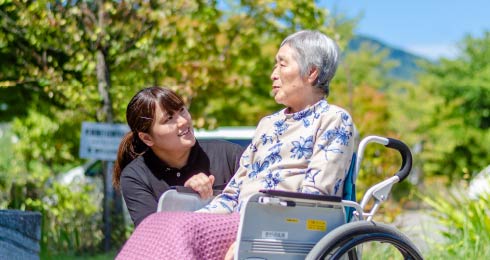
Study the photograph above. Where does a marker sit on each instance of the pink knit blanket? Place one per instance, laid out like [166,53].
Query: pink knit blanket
[182,235]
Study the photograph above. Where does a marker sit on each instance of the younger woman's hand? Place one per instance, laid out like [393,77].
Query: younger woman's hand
[202,184]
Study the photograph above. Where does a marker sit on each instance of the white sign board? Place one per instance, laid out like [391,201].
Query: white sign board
[101,140]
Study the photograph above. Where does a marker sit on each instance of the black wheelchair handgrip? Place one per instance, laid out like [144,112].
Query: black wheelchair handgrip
[404,151]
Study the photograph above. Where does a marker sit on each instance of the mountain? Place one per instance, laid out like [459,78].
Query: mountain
[407,68]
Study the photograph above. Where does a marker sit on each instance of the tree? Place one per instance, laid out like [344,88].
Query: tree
[68,58]
[449,112]
[92,56]
[64,62]
[362,87]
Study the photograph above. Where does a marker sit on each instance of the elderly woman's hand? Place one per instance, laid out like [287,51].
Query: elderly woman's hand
[202,184]
[230,254]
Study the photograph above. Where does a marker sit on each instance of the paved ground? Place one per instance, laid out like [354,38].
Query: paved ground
[420,227]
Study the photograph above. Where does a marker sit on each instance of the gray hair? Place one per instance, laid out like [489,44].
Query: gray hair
[315,50]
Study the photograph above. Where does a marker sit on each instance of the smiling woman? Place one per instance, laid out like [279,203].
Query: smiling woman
[169,135]
[161,151]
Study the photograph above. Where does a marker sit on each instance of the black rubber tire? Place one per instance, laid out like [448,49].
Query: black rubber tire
[342,240]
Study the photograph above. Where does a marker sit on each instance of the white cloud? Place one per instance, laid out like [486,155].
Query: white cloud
[434,51]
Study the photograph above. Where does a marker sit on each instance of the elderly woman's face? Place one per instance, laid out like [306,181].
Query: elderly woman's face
[288,87]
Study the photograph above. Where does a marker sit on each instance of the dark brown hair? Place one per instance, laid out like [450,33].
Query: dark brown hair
[140,115]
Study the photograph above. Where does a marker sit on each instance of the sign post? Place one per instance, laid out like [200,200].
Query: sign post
[100,141]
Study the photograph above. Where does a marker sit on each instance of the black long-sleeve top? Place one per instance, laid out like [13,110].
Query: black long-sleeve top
[146,178]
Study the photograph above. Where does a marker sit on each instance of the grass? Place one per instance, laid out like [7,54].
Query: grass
[102,256]
[467,226]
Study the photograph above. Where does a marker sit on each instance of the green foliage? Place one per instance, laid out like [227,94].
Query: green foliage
[449,112]
[380,250]
[361,86]
[37,143]
[67,256]
[466,225]
[219,60]
[70,217]
[6,156]
[367,65]
[70,222]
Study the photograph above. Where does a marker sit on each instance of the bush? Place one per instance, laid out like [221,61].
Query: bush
[71,219]
[466,225]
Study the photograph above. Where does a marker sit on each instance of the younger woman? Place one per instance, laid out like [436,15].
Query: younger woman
[161,151]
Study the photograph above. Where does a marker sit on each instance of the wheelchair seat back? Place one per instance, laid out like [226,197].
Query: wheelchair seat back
[349,192]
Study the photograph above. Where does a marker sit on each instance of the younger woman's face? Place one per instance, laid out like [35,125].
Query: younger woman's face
[171,131]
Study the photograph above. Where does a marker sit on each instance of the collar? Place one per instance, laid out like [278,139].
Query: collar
[158,166]
[322,103]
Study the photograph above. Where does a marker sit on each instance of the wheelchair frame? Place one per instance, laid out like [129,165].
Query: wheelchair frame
[340,240]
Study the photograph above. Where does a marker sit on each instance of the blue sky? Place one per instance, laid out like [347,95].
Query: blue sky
[430,28]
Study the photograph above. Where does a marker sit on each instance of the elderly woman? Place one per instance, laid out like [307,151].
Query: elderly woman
[308,145]
[305,147]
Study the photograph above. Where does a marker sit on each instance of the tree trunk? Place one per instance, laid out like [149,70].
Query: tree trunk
[106,113]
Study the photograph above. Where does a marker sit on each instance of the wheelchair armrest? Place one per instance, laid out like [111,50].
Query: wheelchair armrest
[180,198]
[300,195]
[182,189]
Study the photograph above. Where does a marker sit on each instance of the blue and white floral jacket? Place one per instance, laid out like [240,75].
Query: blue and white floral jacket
[309,151]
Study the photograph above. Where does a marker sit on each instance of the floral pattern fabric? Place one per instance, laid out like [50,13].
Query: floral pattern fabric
[309,151]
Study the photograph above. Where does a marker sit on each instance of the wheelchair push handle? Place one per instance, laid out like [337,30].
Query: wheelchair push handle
[406,155]
[391,143]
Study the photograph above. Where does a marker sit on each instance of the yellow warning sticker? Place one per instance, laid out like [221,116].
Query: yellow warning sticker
[292,220]
[316,225]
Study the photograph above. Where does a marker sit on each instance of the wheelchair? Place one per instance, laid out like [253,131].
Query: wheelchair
[291,225]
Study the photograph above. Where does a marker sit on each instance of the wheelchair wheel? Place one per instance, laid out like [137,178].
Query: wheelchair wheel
[364,240]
